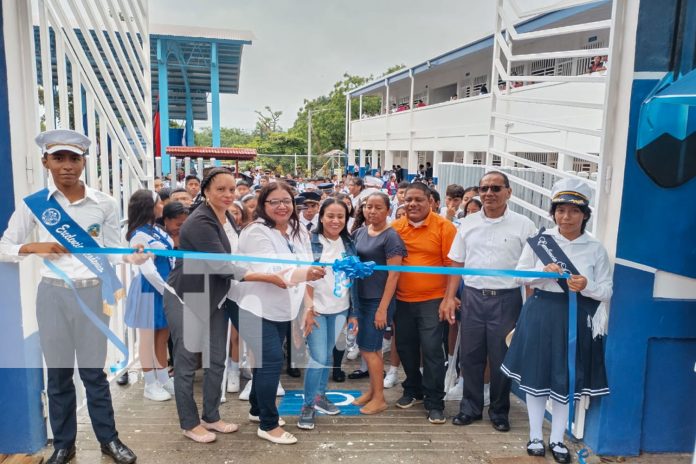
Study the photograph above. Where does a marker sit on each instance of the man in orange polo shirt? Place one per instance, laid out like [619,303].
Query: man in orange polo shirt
[419,318]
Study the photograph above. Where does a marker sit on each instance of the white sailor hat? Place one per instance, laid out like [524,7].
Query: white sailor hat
[571,190]
[372,181]
[53,141]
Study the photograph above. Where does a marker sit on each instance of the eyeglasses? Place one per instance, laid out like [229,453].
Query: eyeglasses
[493,188]
[276,203]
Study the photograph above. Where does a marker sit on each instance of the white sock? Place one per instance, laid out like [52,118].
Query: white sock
[392,370]
[150,377]
[162,376]
[450,359]
[363,365]
[232,365]
[559,421]
[536,405]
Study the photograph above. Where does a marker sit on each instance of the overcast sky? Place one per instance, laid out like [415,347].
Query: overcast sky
[302,47]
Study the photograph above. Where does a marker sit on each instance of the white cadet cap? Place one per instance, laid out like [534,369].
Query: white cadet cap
[53,141]
[571,190]
[372,181]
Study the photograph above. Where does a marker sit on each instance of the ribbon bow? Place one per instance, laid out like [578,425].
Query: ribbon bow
[348,268]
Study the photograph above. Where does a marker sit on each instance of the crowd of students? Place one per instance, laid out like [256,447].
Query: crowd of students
[262,304]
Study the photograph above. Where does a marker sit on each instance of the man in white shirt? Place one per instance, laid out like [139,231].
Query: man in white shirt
[490,239]
[74,212]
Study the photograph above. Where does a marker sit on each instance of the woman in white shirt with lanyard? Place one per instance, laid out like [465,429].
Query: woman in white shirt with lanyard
[326,309]
[144,304]
[266,310]
[538,355]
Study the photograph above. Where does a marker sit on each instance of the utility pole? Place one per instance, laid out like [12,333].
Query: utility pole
[309,142]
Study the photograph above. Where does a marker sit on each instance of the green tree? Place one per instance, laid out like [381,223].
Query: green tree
[329,115]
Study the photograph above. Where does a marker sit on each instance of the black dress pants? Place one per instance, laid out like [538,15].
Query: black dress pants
[486,320]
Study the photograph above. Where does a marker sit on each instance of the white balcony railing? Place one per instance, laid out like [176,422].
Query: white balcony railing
[463,125]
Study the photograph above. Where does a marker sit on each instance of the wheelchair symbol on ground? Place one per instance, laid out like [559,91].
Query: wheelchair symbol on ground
[292,402]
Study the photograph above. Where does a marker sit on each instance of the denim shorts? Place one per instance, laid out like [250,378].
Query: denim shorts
[369,337]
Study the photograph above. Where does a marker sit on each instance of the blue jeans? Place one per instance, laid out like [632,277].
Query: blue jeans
[265,339]
[321,342]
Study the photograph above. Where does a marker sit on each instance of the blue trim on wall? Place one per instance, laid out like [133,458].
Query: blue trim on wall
[615,424]
[23,429]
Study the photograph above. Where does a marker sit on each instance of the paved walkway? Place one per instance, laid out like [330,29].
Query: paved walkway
[395,436]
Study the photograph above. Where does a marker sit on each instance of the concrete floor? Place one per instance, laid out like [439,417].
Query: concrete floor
[395,436]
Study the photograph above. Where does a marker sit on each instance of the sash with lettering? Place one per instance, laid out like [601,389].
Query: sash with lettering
[548,251]
[73,237]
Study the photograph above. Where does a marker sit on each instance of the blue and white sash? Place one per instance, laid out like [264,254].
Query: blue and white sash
[73,237]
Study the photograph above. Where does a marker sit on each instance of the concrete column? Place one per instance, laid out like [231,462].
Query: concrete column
[351,160]
[388,159]
[412,164]
[468,157]
[437,159]
[361,153]
[374,161]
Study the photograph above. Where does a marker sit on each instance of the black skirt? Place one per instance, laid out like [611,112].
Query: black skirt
[538,355]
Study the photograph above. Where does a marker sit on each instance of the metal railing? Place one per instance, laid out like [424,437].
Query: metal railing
[94,75]
[507,106]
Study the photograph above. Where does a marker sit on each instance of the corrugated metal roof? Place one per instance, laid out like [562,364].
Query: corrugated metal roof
[230,153]
[201,32]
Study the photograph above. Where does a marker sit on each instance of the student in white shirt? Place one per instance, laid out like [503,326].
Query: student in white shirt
[66,333]
[537,359]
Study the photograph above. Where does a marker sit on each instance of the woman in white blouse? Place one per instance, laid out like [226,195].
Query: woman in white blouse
[537,358]
[268,309]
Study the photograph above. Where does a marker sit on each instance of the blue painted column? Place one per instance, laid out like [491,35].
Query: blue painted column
[22,427]
[215,95]
[162,54]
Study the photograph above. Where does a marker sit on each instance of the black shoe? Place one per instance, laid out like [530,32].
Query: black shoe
[339,375]
[539,452]
[119,452]
[293,372]
[563,457]
[407,401]
[123,379]
[358,374]
[436,416]
[501,424]
[465,419]
[62,456]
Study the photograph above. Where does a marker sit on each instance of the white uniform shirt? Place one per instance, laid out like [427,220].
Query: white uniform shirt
[233,237]
[314,221]
[325,302]
[267,300]
[148,268]
[485,243]
[96,213]
[586,253]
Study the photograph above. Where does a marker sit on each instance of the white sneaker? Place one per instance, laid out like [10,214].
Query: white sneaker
[169,386]
[486,394]
[353,353]
[244,395]
[280,391]
[392,378]
[232,381]
[245,373]
[456,392]
[155,392]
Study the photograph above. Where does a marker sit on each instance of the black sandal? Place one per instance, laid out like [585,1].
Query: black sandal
[358,374]
[562,457]
[539,452]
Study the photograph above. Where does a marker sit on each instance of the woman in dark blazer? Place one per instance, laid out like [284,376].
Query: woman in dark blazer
[198,323]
